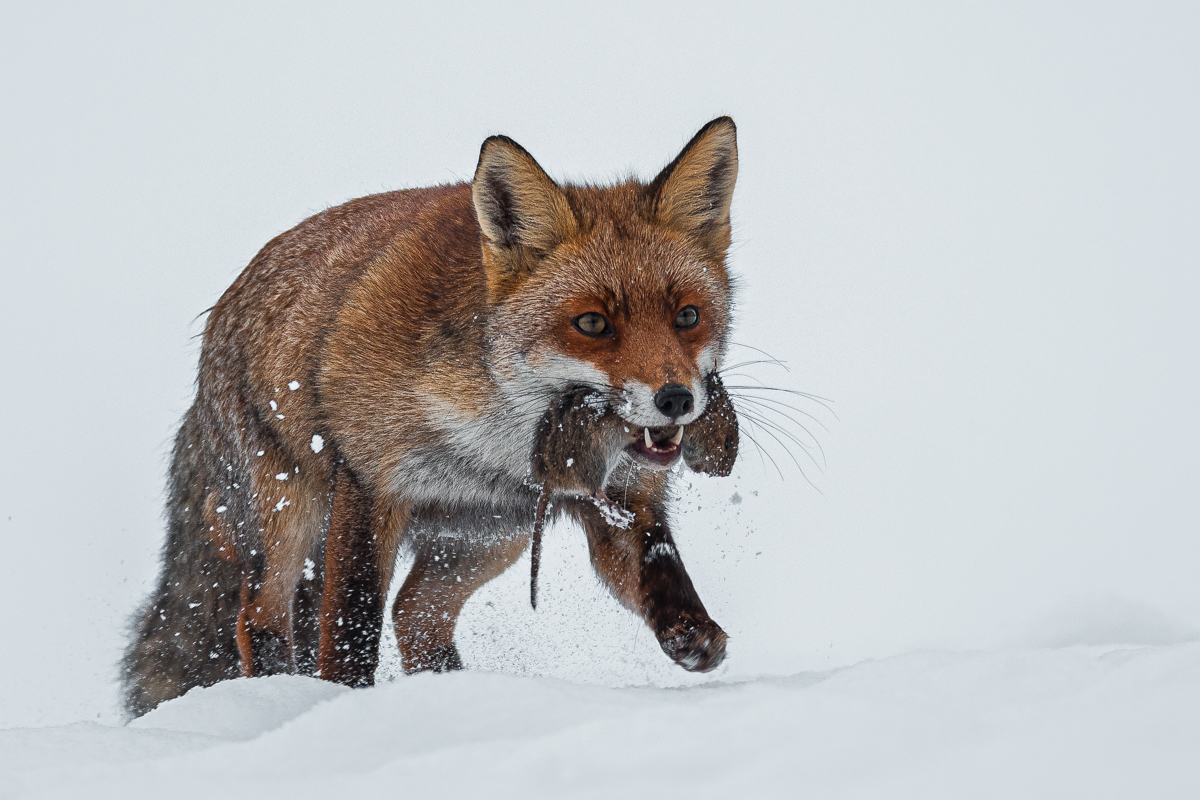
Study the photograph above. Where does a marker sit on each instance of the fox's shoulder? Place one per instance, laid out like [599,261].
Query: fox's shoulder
[410,236]
[352,232]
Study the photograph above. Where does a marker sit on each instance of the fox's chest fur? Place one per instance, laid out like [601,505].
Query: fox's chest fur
[470,459]
[383,328]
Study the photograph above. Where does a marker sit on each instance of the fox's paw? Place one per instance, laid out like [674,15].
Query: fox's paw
[441,658]
[271,653]
[695,645]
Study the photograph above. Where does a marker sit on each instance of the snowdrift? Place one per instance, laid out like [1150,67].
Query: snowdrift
[1075,722]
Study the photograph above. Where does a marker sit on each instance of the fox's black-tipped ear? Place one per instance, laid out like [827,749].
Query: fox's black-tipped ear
[521,211]
[694,191]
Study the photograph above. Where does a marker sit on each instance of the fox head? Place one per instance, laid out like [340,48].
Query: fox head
[621,289]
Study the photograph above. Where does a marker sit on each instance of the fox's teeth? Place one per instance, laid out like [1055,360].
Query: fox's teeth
[649,441]
[678,437]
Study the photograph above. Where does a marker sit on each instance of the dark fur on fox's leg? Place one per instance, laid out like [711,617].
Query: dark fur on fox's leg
[352,605]
[642,569]
[263,651]
[306,616]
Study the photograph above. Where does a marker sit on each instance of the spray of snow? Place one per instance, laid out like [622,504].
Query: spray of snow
[613,514]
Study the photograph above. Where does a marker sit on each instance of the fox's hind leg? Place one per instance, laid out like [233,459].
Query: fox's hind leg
[292,509]
[306,611]
[446,572]
[360,552]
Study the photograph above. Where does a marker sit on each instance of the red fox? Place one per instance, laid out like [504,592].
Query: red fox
[379,376]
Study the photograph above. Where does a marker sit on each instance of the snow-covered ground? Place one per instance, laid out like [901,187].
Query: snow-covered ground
[972,226]
[1099,722]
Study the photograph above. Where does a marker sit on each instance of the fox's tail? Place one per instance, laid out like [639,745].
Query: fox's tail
[185,634]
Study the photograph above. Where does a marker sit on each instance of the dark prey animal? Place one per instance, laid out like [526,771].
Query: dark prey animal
[578,448]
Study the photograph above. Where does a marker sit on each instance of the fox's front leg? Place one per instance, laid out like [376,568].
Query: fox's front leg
[359,555]
[642,568]
[446,572]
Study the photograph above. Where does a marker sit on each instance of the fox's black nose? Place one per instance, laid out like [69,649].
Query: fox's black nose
[673,400]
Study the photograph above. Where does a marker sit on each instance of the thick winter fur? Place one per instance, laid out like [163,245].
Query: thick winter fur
[376,377]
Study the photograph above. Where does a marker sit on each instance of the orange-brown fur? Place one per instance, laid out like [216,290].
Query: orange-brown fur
[419,335]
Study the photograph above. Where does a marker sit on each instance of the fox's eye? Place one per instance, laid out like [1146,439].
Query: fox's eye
[687,318]
[592,324]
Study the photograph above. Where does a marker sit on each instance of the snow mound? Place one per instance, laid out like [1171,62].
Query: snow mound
[240,709]
[1107,619]
[1068,722]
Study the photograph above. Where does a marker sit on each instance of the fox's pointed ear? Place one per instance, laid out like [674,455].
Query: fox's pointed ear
[694,191]
[522,213]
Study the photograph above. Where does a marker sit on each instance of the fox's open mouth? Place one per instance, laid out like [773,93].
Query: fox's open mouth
[659,445]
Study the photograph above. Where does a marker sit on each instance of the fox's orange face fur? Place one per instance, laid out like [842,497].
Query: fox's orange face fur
[375,379]
[621,288]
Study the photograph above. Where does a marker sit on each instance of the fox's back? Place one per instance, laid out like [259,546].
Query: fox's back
[347,314]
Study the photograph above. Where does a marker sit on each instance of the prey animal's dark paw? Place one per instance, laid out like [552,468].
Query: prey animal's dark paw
[695,645]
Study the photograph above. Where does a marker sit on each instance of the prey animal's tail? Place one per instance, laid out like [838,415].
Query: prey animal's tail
[535,548]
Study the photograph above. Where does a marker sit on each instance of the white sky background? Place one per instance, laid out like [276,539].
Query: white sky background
[975,229]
